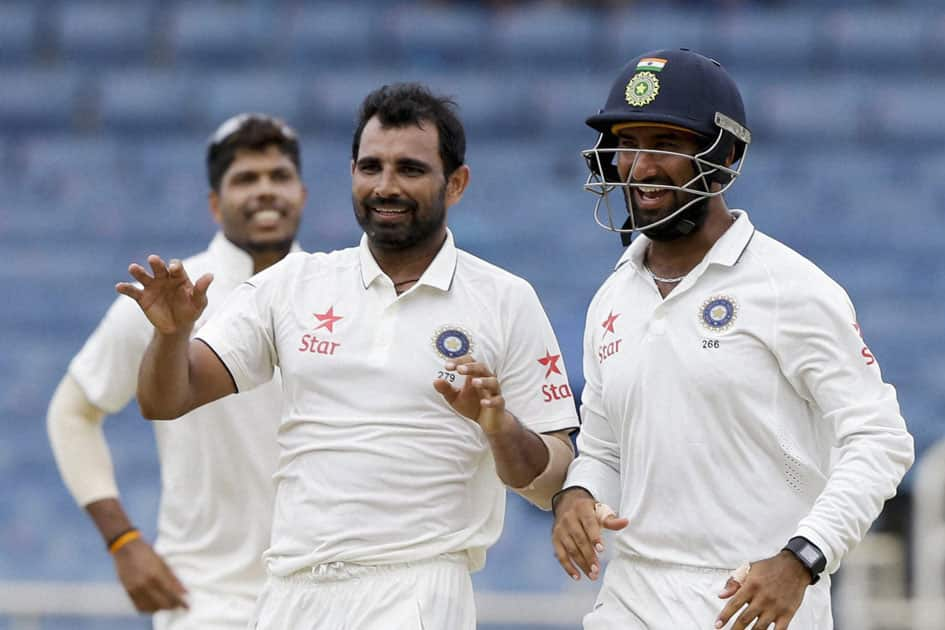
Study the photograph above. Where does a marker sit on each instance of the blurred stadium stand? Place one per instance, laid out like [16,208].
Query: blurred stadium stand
[105,107]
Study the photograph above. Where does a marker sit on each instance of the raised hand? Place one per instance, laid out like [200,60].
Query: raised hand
[171,302]
[147,579]
[480,398]
[576,535]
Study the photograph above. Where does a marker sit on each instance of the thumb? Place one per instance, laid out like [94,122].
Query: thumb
[731,587]
[445,389]
[615,523]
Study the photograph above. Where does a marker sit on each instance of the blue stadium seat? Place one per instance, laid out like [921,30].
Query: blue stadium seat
[490,105]
[542,37]
[908,111]
[634,31]
[564,101]
[270,92]
[771,42]
[325,37]
[144,100]
[330,100]
[17,30]
[438,37]
[39,100]
[881,42]
[214,34]
[827,110]
[112,32]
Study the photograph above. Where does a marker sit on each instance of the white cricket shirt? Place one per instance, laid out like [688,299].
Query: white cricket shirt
[375,466]
[717,408]
[216,462]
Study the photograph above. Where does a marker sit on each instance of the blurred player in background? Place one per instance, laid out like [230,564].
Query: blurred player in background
[419,379]
[721,369]
[216,470]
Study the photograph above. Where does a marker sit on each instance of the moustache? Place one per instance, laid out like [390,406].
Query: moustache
[374,202]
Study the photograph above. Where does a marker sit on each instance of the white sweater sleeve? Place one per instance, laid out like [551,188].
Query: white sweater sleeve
[597,466]
[824,357]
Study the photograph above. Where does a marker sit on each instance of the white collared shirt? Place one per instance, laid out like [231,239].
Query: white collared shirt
[216,462]
[375,466]
[710,415]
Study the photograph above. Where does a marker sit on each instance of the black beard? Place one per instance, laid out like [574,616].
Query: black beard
[394,239]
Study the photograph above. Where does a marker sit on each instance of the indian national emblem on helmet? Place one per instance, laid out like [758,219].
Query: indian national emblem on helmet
[642,89]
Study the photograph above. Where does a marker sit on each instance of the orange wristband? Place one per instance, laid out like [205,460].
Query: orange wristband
[123,540]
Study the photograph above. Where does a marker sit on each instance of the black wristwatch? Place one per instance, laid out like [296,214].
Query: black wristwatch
[809,555]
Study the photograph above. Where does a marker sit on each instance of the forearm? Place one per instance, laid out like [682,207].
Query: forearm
[164,378]
[520,455]
[78,444]
[109,517]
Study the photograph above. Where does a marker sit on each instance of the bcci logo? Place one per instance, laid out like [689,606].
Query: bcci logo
[642,89]
[719,313]
[452,342]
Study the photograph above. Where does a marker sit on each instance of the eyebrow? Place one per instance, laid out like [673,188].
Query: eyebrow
[400,162]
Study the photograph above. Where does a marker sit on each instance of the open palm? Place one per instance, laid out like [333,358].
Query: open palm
[168,298]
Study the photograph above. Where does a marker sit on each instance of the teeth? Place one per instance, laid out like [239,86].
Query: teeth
[649,189]
[397,210]
[267,216]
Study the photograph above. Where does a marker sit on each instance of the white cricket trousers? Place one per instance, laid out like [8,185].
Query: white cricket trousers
[434,594]
[208,611]
[640,594]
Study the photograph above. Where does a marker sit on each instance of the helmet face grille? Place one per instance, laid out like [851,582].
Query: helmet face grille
[604,178]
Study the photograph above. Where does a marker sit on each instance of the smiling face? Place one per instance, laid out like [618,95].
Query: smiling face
[645,169]
[259,201]
[399,191]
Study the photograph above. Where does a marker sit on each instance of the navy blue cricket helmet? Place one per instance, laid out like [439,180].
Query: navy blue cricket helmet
[679,89]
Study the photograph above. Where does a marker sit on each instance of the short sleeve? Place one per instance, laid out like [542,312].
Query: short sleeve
[532,375]
[241,334]
[106,368]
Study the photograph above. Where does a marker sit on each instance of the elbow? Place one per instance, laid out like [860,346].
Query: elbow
[153,411]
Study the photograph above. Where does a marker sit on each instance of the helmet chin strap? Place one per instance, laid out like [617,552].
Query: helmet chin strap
[687,222]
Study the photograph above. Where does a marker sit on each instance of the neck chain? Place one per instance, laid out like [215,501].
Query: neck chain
[675,280]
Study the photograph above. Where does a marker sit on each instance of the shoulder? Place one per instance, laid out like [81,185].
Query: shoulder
[472,270]
[792,276]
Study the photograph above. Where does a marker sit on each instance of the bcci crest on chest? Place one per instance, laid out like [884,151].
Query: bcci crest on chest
[452,342]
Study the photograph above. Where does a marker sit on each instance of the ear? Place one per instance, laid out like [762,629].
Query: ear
[456,185]
[214,201]
[352,167]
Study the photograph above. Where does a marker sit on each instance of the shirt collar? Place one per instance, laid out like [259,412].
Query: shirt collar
[439,274]
[234,261]
[726,251]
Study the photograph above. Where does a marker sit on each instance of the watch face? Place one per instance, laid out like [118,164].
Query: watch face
[809,555]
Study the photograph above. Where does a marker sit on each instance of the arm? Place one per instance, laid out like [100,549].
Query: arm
[81,452]
[523,458]
[822,355]
[176,375]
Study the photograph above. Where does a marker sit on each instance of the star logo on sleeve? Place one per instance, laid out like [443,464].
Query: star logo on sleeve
[327,319]
[609,323]
[551,362]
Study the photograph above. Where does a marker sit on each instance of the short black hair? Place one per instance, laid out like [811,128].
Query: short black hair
[254,132]
[402,104]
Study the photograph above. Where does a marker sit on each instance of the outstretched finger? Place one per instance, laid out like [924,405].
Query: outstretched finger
[139,273]
[131,290]
[157,266]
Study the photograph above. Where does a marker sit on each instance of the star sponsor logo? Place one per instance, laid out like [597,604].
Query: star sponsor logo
[610,348]
[550,361]
[608,324]
[313,344]
[865,351]
[328,319]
